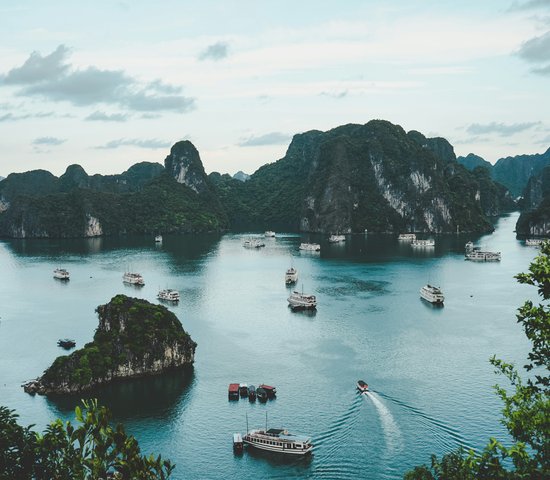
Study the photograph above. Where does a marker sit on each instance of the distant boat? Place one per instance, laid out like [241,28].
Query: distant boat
[480,256]
[133,278]
[301,301]
[251,393]
[61,274]
[337,238]
[423,243]
[469,247]
[432,294]
[291,276]
[261,394]
[310,247]
[66,343]
[362,386]
[158,239]
[233,391]
[278,440]
[243,390]
[270,391]
[269,233]
[169,295]
[535,242]
[253,243]
[237,443]
[406,236]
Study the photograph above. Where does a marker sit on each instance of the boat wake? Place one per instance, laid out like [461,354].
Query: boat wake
[328,462]
[447,436]
[392,433]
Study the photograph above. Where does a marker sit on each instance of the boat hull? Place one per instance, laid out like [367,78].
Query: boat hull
[273,448]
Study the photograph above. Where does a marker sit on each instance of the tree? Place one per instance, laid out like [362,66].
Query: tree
[526,411]
[92,450]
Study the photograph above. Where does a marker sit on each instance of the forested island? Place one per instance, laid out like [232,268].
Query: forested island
[134,338]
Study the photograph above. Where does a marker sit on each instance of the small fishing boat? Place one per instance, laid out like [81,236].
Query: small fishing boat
[251,393]
[66,343]
[61,274]
[269,390]
[261,394]
[243,390]
[362,386]
[233,391]
[237,443]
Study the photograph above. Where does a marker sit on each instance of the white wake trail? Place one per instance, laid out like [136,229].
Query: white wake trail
[392,432]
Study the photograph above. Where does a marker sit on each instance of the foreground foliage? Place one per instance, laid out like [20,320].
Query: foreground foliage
[92,450]
[526,412]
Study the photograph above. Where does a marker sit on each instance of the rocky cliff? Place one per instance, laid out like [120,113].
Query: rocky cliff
[472,161]
[373,176]
[184,164]
[134,338]
[535,217]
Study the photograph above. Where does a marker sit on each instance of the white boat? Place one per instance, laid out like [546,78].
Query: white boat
[253,243]
[432,294]
[269,233]
[301,301]
[535,242]
[423,243]
[278,440]
[158,239]
[480,256]
[337,238]
[469,247]
[291,276]
[169,295]
[133,278]
[406,236]
[61,274]
[362,386]
[310,247]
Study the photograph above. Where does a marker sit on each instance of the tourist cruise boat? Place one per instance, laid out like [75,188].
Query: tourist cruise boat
[133,278]
[362,386]
[301,301]
[253,243]
[310,247]
[278,440]
[337,238]
[423,243]
[291,276]
[535,242]
[269,233]
[480,256]
[406,236]
[432,294]
[61,274]
[158,239]
[169,295]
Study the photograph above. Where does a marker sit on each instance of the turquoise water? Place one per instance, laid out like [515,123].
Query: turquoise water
[427,367]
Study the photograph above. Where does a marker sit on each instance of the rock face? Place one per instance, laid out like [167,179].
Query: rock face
[373,176]
[535,217]
[184,164]
[241,176]
[472,161]
[134,338]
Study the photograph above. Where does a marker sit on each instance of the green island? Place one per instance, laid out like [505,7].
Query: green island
[134,338]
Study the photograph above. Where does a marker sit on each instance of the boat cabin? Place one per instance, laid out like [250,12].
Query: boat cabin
[237,443]
[233,391]
[269,390]
[243,390]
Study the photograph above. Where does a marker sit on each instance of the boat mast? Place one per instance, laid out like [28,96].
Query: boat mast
[247,423]
[266,421]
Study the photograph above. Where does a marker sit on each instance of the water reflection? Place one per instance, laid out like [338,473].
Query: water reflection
[155,396]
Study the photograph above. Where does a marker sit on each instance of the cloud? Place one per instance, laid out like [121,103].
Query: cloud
[529,5]
[542,70]
[272,138]
[335,94]
[216,51]
[38,68]
[48,141]
[536,49]
[544,141]
[10,117]
[152,143]
[51,78]
[500,128]
[98,116]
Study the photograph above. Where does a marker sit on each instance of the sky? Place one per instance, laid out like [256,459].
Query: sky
[107,84]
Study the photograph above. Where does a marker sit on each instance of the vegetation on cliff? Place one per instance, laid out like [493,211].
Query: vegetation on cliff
[134,338]
[373,176]
[92,449]
[526,410]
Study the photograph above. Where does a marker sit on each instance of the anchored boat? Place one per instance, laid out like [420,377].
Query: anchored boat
[169,295]
[61,274]
[133,278]
[432,294]
[278,440]
[301,301]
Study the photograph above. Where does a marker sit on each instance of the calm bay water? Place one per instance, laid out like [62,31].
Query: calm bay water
[428,367]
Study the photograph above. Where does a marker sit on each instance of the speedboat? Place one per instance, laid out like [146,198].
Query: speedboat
[66,343]
[362,386]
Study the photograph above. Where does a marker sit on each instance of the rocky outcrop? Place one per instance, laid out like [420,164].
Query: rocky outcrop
[535,217]
[184,164]
[134,338]
[472,161]
[241,176]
